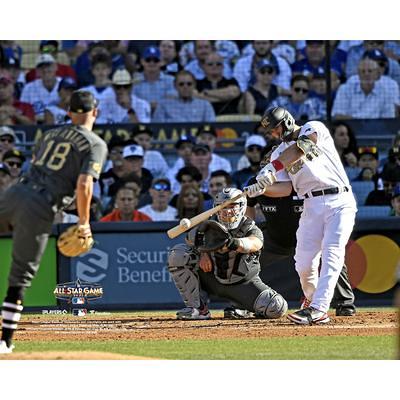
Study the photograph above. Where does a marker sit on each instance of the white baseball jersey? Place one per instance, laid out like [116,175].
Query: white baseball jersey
[324,171]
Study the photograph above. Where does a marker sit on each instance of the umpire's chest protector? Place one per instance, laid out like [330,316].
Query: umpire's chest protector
[231,267]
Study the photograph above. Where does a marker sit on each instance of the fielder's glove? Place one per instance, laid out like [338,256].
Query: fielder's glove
[75,241]
[254,190]
[212,236]
[267,175]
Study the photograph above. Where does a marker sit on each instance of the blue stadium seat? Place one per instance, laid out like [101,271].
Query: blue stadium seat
[361,189]
[373,211]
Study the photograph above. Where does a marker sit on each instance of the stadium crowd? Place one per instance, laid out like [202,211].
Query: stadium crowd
[140,82]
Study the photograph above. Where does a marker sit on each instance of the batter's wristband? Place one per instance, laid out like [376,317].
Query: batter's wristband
[277,165]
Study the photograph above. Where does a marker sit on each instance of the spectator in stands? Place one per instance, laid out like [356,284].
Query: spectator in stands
[356,53]
[124,106]
[221,92]
[218,180]
[14,159]
[13,111]
[183,147]
[12,66]
[382,195]
[43,91]
[202,49]
[262,92]
[201,159]
[153,159]
[153,85]
[364,98]
[345,144]
[395,202]
[101,88]
[208,135]
[184,108]
[243,71]
[58,114]
[160,193]
[5,178]
[368,157]
[126,201]
[253,148]
[298,103]
[314,57]
[7,140]
[190,201]
[62,71]
[169,57]
[391,169]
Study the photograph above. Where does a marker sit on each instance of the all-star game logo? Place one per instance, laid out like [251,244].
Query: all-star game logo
[78,292]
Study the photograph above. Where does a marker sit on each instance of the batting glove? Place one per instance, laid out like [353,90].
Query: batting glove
[254,190]
[267,175]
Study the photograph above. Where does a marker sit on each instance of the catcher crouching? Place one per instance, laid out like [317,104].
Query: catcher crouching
[221,257]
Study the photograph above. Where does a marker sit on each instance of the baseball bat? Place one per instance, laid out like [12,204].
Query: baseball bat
[198,219]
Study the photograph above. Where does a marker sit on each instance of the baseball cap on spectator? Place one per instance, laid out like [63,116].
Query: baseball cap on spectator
[82,102]
[396,191]
[139,129]
[5,77]
[263,64]
[68,83]
[368,150]
[14,153]
[320,73]
[207,129]
[161,184]
[376,55]
[121,77]
[11,62]
[115,141]
[44,59]
[7,131]
[184,139]
[133,150]
[255,140]
[198,148]
[4,168]
[152,52]
[44,43]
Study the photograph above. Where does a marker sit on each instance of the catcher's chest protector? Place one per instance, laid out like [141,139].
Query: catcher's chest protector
[232,267]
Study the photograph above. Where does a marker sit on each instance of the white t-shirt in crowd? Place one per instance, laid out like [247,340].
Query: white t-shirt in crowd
[169,214]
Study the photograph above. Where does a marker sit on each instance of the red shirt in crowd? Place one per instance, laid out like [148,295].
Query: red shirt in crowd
[25,108]
[115,216]
[63,71]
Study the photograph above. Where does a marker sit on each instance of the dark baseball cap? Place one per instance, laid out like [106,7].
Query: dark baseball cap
[376,55]
[68,83]
[82,102]
[184,139]
[139,129]
[201,148]
[152,52]
[207,129]
[14,153]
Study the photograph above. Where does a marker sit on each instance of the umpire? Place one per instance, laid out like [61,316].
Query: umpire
[282,216]
[67,159]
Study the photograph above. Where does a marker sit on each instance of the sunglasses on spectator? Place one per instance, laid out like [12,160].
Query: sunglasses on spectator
[152,59]
[217,63]
[161,187]
[300,90]
[14,164]
[263,71]
[117,87]
[185,83]
[116,152]
[7,139]
[254,148]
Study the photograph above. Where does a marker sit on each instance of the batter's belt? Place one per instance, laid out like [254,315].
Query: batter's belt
[323,192]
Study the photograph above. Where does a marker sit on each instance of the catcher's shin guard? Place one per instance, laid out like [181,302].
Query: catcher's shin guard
[270,304]
[182,265]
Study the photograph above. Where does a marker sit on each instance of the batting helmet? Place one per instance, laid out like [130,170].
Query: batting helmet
[230,216]
[276,116]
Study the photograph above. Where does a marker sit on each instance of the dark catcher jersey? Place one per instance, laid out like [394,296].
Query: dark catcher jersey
[64,153]
[282,216]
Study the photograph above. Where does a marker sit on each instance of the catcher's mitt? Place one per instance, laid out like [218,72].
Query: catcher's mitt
[75,241]
[211,236]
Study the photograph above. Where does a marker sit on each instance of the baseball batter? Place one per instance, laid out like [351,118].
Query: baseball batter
[65,160]
[307,161]
[221,257]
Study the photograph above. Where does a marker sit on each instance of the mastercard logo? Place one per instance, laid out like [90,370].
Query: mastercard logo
[372,261]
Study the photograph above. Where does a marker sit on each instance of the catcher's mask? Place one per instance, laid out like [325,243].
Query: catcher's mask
[279,116]
[231,215]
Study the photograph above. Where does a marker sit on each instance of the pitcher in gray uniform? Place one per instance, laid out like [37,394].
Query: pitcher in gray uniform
[66,160]
[231,272]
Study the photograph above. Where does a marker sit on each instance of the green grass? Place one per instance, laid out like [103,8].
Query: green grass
[304,348]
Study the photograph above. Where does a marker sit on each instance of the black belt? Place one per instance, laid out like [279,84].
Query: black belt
[41,190]
[323,192]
